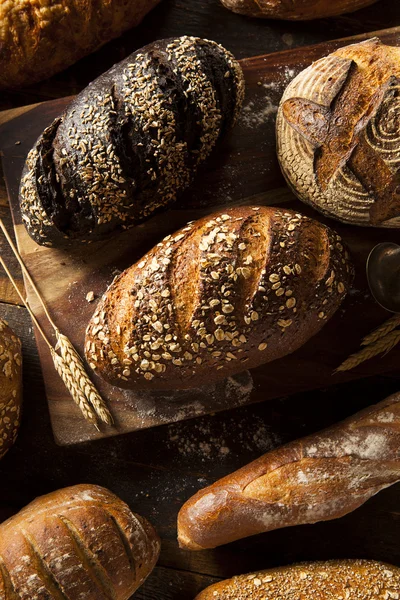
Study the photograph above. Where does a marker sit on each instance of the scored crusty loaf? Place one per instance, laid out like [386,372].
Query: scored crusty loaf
[229,292]
[328,580]
[131,141]
[41,37]
[338,135]
[81,542]
[10,386]
[298,10]
[317,478]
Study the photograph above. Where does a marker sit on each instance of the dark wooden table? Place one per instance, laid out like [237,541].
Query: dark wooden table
[155,471]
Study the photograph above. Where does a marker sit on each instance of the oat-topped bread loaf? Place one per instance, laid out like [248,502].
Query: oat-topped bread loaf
[80,543]
[330,580]
[131,141]
[321,477]
[294,10]
[41,37]
[10,386]
[228,292]
[338,134]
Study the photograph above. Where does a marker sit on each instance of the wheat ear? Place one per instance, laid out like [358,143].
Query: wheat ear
[75,365]
[384,344]
[381,331]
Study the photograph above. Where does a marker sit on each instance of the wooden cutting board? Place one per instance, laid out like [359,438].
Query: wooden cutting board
[244,170]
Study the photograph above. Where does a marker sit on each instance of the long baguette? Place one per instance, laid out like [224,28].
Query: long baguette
[318,478]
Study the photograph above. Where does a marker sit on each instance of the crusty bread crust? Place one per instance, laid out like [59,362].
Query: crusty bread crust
[317,478]
[10,386]
[330,580]
[77,542]
[229,292]
[41,37]
[298,10]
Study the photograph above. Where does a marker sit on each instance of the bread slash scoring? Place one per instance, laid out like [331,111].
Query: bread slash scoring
[228,292]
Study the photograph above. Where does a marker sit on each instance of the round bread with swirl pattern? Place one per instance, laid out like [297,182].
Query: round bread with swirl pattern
[226,293]
[338,135]
[10,386]
[130,142]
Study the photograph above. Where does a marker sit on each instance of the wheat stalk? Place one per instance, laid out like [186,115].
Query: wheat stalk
[384,344]
[75,365]
[69,380]
[71,361]
[381,331]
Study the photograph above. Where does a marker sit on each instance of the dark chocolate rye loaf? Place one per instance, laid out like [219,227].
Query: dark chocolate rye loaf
[131,141]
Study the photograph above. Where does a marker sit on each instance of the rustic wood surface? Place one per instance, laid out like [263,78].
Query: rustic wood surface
[156,470]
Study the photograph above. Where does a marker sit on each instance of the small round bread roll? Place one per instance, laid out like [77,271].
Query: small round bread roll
[300,10]
[10,386]
[338,135]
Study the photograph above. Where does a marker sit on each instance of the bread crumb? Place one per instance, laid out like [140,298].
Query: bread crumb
[90,296]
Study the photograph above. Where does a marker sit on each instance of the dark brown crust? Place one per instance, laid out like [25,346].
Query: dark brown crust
[331,580]
[40,38]
[318,478]
[10,386]
[77,542]
[300,10]
[231,291]
[130,142]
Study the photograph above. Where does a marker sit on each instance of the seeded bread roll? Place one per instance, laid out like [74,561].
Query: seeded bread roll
[131,141]
[81,542]
[318,478]
[298,10]
[41,37]
[338,135]
[331,580]
[225,293]
[10,386]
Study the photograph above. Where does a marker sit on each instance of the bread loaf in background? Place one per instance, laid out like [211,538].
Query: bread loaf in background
[229,292]
[10,386]
[338,135]
[295,10]
[318,478]
[41,37]
[78,542]
[131,141]
[329,580]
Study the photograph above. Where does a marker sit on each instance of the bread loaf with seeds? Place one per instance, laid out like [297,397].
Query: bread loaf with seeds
[317,478]
[328,580]
[300,10]
[338,134]
[226,293]
[130,142]
[10,386]
[81,542]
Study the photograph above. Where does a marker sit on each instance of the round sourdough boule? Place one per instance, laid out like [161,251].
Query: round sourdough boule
[338,135]
[295,11]
[81,543]
[10,386]
[130,142]
[229,292]
[328,580]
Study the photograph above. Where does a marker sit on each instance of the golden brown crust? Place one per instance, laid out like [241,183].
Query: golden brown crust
[318,478]
[41,37]
[293,11]
[78,542]
[338,137]
[231,291]
[330,580]
[10,386]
